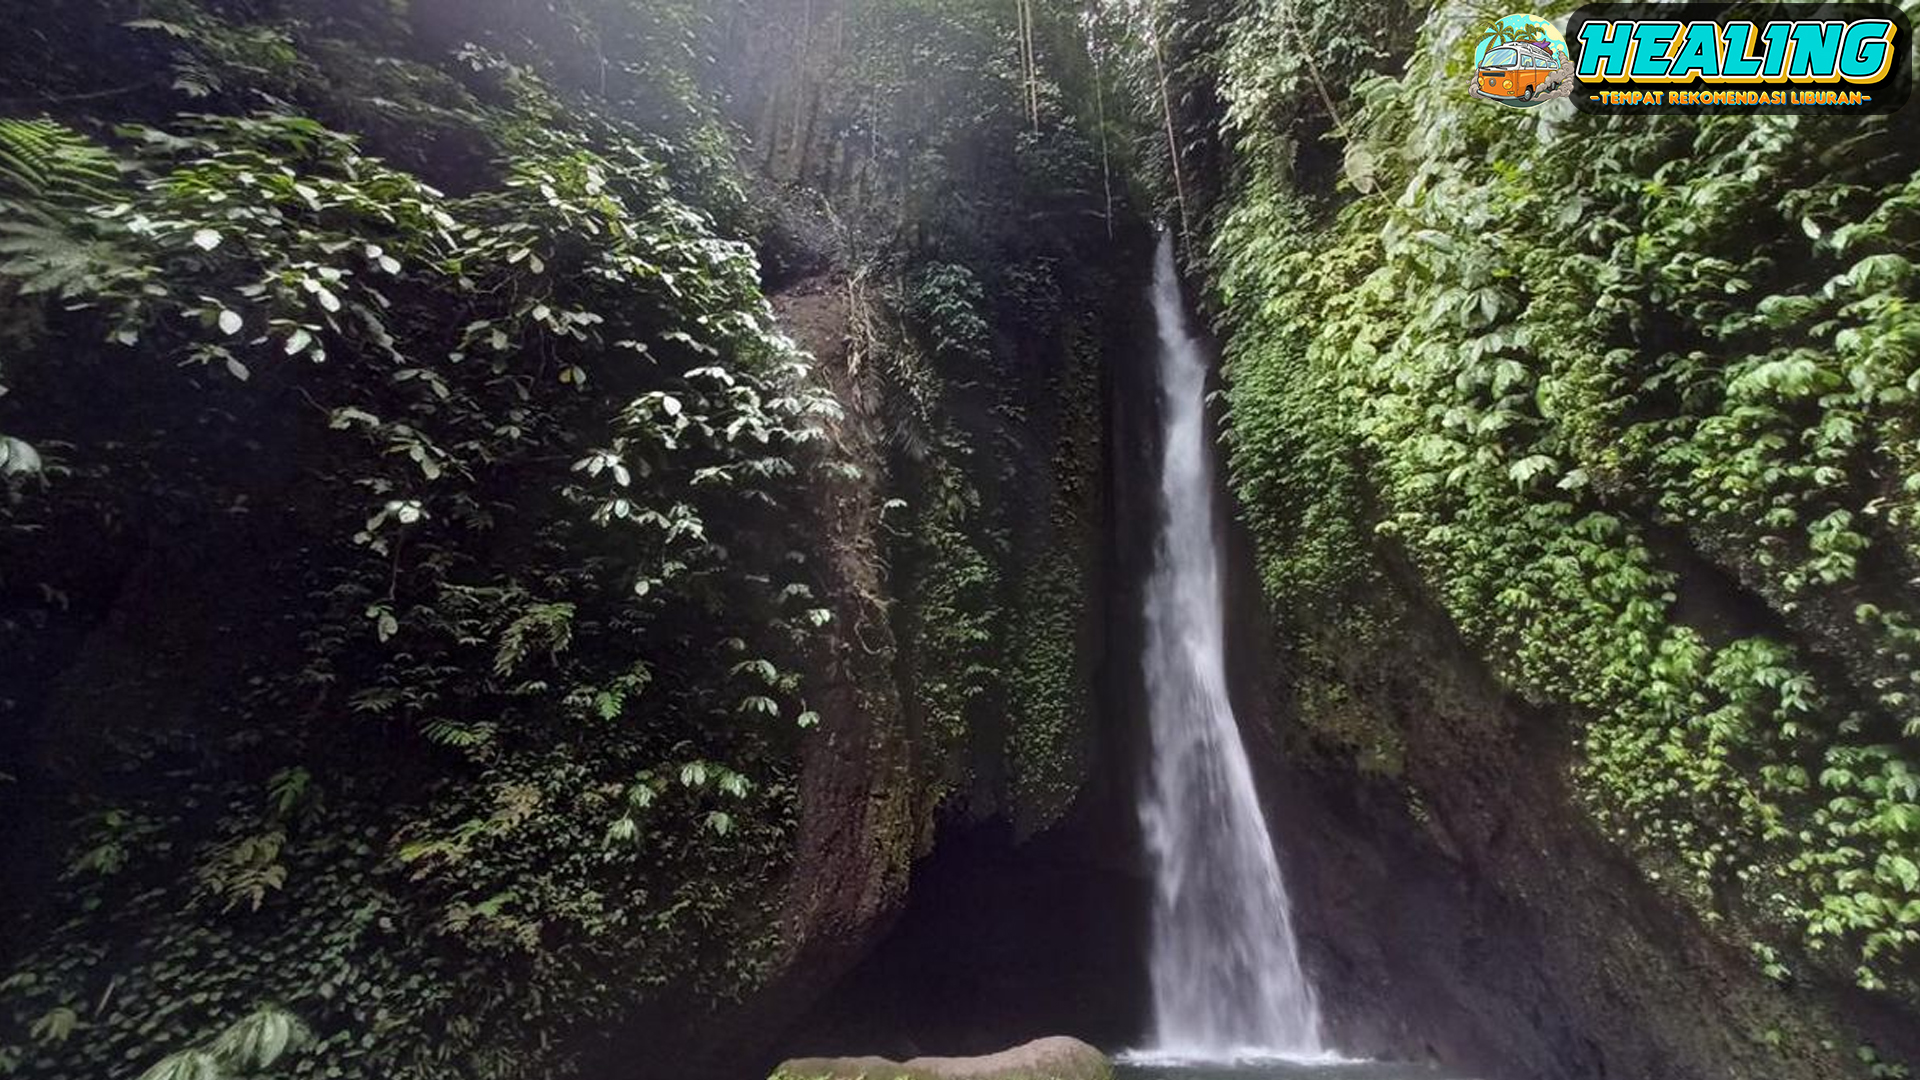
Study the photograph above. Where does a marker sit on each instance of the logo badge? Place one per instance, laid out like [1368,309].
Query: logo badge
[1820,59]
[1522,61]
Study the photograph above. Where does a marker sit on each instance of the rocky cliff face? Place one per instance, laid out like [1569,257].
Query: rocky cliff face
[1023,919]
[949,895]
[1458,906]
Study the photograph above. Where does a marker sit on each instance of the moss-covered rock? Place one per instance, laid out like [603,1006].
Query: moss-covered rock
[1056,1057]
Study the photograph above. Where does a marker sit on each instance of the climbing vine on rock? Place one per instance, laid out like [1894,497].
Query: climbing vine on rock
[1634,397]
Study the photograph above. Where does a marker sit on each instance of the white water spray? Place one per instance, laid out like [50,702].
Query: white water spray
[1226,975]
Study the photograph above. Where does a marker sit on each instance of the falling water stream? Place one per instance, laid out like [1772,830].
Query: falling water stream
[1230,1001]
[1224,965]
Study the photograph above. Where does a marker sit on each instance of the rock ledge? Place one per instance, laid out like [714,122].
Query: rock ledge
[1054,1058]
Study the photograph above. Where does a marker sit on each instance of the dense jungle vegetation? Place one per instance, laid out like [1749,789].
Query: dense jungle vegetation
[1632,400]
[520,522]
[413,364]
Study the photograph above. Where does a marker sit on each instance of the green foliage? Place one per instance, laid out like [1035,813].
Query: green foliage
[43,161]
[948,299]
[251,1044]
[417,372]
[1046,689]
[953,619]
[515,476]
[1049,693]
[994,547]
[1633,396]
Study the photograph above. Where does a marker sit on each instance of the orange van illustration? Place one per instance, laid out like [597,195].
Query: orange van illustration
[1518,69]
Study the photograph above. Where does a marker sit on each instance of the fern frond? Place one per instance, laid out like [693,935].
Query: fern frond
[48,162]
[42,257]
[50,177]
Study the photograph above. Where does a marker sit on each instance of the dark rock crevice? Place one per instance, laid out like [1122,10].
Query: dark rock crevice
[1006,934]
[999,942]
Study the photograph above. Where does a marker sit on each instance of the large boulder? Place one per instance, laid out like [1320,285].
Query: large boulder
[1054,1058]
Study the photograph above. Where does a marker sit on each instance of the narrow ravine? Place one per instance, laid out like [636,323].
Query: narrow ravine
[1224,965]
[719,540]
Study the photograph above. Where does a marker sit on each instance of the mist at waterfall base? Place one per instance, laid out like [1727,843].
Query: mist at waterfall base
[1129,1069]
[1229,996]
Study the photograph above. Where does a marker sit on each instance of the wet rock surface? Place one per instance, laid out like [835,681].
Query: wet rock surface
[1056,1057]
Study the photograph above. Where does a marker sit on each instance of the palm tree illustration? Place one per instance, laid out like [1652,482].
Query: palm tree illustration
[1496,35]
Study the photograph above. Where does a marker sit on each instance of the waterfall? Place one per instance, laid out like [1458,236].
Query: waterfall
[1224,965]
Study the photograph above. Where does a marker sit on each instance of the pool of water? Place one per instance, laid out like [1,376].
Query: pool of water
[1137,1069]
